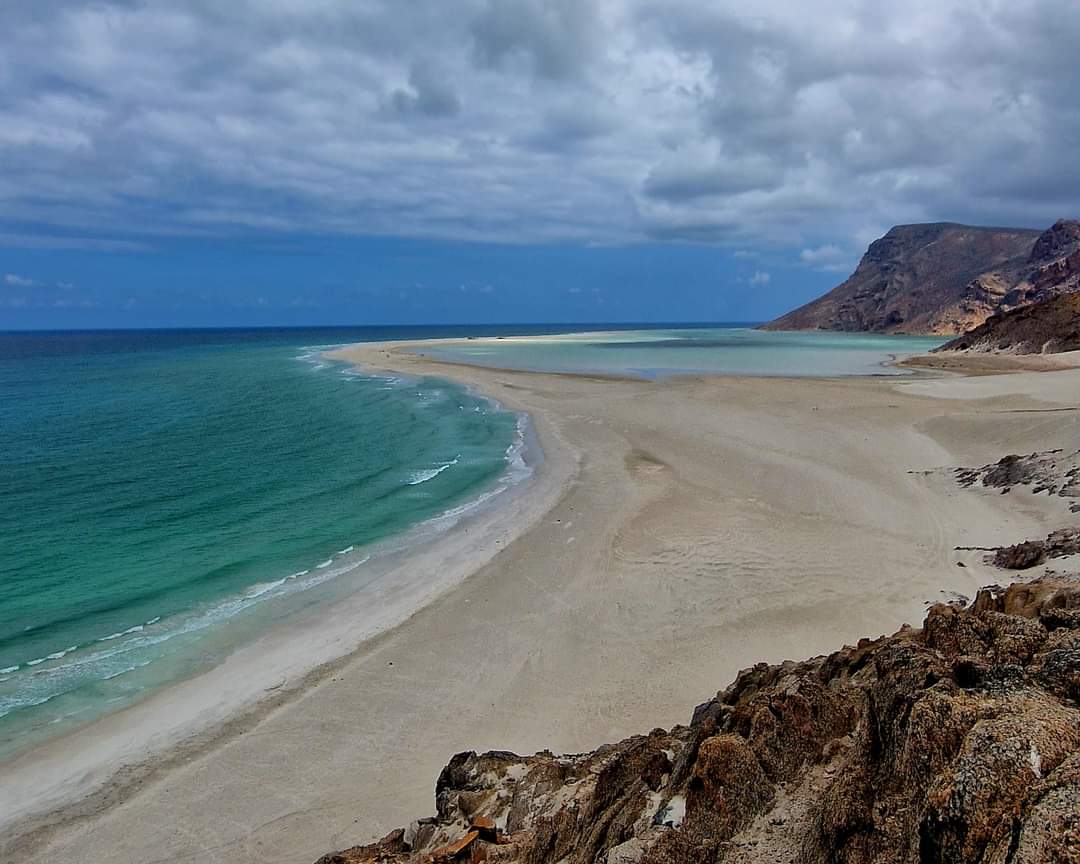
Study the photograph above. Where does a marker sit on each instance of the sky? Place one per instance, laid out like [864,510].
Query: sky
[198,163]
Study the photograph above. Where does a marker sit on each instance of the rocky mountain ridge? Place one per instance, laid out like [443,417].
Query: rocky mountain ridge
[945,278]
[957,742]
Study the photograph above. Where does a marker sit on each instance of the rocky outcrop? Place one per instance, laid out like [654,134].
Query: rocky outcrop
[1055,472]
[959,742]
[1045,327]
[1022,556]
[945,278]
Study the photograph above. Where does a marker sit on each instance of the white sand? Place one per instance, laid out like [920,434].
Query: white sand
[679,531]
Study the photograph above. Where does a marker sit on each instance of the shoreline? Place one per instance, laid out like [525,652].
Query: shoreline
[978,363]
[85,770]
[647,470]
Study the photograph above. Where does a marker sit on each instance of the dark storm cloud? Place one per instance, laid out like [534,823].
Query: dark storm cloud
[778,124]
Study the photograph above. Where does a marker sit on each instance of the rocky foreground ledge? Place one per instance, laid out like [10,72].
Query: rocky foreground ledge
[959,742]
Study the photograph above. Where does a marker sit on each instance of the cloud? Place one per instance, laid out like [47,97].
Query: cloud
[690,175]
[22,240]
[758,127]
[428,93]
[827,254]
[46,295]
[72,303]
[552,38]
[760,277]
[831,258]
[571,126]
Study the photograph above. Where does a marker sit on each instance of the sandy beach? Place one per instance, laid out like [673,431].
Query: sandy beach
[676,532]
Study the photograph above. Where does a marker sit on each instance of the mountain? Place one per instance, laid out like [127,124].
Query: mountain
[944,278]
[1046,327]
[959,742]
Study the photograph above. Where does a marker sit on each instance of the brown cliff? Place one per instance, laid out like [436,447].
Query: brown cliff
[959,742]
[945,278]
[1046,327]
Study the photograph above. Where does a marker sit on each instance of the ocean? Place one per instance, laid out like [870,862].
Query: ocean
[167,496]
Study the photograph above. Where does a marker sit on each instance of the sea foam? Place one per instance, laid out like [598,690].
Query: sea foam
[418,477]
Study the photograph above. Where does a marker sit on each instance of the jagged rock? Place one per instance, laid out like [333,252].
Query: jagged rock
[1022,556]
[1055,472]
[957,742]
[391,848]
[1011,470]
[485,829]
[1051,831]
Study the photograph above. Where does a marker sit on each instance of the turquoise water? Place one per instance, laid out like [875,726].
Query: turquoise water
[159,492]
[167,496]
[734,350]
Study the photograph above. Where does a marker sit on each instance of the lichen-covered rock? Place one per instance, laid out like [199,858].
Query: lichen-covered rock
[1050,830]
[972,807]
[959,742]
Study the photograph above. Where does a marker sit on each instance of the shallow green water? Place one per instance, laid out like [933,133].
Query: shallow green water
[733,350]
